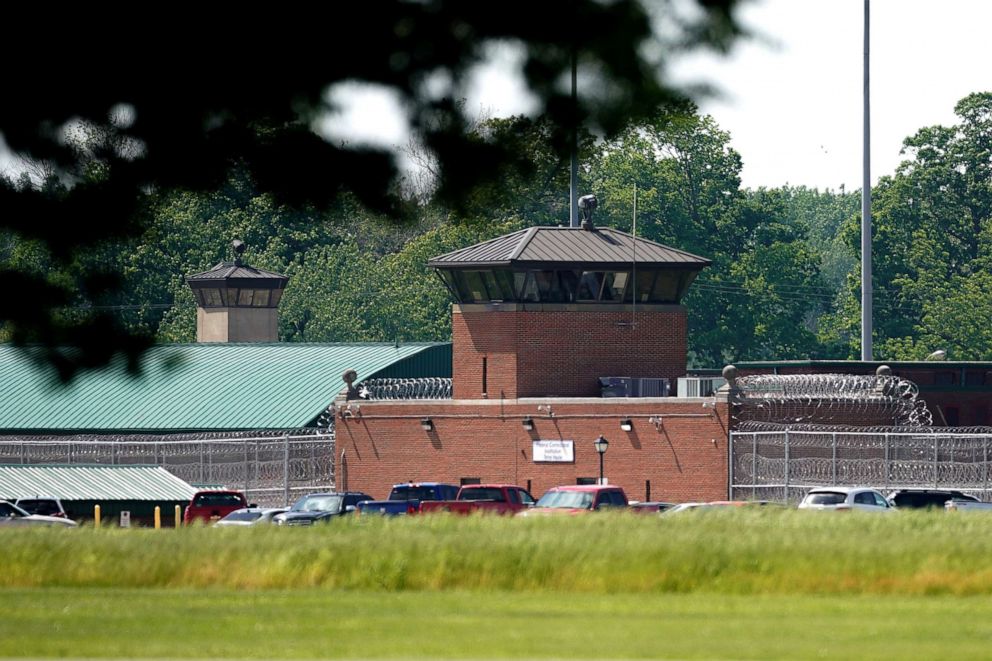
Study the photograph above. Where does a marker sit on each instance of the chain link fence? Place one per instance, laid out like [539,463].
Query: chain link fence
[783,464]
[271,468]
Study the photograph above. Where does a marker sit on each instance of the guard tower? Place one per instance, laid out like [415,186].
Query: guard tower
[547,311]
[236,302]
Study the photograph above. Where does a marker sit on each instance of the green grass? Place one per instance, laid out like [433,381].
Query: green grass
[150,623]
[766,552]
[754,584]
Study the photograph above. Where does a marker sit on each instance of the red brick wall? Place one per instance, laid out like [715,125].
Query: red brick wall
[558,350]
[685,459]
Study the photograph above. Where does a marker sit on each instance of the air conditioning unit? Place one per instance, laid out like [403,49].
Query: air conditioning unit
[694,386]
[616,386]
[652,387]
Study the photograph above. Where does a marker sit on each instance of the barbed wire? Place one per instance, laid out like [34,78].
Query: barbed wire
[426,388]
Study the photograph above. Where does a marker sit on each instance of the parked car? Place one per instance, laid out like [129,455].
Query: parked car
[926,498]
[42,506]
[846,499]
[967,505]
[406,498]
[482,499]
[320,508]
[213,505]
[717,505]
[578,499]
[250,516]
[12,515]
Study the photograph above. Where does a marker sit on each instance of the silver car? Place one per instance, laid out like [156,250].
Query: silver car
[846,499]
[250,516]
[12,515]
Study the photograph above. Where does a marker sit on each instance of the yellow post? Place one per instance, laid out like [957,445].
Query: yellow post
[96,516]
[178,517]
[158,517]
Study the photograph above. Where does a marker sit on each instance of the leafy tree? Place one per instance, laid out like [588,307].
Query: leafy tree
[931,242]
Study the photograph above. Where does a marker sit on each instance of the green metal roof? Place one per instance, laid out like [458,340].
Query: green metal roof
[194,387]
[92,483]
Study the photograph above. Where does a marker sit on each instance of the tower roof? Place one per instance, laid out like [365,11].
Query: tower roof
[567,247]
[238,274]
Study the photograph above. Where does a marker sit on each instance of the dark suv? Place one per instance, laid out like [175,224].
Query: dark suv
[320,507]
[925,498]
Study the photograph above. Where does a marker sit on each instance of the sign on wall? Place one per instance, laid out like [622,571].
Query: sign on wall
[554,451]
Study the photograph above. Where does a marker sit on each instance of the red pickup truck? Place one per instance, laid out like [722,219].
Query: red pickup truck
[210,506]
[579,499]
[505,499]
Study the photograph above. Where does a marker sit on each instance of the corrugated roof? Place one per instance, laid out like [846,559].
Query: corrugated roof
[92,483]
[568,246]
[236,271]
[186,387]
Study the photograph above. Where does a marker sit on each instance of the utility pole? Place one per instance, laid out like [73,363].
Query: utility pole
[866,350]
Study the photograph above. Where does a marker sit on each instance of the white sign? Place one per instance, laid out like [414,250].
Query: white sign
[554,451]
[125,519]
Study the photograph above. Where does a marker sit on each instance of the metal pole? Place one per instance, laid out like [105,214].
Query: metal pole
[834,458]
[573,181]
[866,285]
[887,460]
[285,470]
[754,466]
[935,480]
[786,466]
[600,467]
[730,466]
[245,444]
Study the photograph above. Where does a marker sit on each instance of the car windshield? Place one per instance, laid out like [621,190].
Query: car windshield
[318,504]
[217,500]
[825,498]
[243,515]
[10,511]
[413,493]
[569,499]
[43,506]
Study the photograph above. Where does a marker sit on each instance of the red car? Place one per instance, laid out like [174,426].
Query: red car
[210,506]
[578,499]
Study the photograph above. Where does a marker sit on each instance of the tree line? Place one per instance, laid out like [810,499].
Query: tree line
[784,283]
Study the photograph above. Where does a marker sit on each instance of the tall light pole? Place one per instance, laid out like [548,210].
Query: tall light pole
[866,302]
[601,444]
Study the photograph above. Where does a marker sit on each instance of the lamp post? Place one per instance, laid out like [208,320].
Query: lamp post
[601,445]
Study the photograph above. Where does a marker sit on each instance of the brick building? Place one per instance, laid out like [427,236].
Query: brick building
[541,317]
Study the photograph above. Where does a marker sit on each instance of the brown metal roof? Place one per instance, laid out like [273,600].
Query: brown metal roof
[235,271]
[566,246]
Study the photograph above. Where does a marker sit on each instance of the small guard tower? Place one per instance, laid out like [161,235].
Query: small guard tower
[547,311]
[236,302]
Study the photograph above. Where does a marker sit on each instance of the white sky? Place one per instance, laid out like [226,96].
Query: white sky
[794,111]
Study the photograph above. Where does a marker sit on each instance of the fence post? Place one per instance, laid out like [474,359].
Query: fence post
[833,463]
[887,460]
[246,469]
[730,471]
[935,480]
[985,467]
[202,479]
[786,466]
[285,470]
[754,466]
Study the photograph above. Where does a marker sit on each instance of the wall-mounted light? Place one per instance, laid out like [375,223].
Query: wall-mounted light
[351,411]
[528,423]
[427,424]
[626,424]
[546,408]
[657,421]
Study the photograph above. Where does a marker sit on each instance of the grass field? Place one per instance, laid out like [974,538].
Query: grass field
[768,584]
